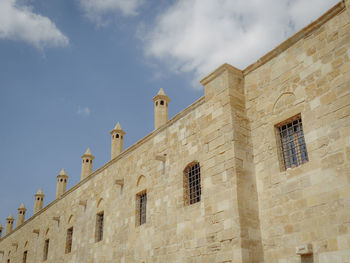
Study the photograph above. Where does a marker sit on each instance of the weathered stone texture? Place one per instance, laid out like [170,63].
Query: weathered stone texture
[251,209]
[309,203]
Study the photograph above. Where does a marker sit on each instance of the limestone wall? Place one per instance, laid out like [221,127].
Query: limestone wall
[252,209]
[309,203]
[207,231]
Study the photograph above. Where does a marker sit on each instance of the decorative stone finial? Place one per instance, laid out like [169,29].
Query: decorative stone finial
[161,101]
[61,183]
[86,167]
[21,215]
[9,224]
[39,201]
[117,140]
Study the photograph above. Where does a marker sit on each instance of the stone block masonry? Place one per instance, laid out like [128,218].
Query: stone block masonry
[261,193]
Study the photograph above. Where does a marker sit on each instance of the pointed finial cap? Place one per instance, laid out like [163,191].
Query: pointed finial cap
[62,174]
[118,129]
[22,206]
[88,154]
[40,192]
[161,92]
[10,217]
[161,96]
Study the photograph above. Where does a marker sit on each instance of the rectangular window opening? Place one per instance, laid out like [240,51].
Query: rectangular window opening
[25,254]
[292,147]
[69,240]
[46,249]
[141,208]
[192,184]
[99,226]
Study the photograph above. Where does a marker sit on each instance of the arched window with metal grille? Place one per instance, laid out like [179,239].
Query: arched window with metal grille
[192,183]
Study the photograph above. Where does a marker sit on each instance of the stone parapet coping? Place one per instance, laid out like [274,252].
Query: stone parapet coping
[219,71]
[148,137]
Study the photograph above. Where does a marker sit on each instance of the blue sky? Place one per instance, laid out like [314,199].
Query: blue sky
[71,69]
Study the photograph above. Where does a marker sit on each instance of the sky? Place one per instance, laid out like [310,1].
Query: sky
[71,69]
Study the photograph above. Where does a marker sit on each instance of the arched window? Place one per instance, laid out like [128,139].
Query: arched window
[192,183]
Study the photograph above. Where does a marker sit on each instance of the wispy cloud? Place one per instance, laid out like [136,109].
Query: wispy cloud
[97,10]
[19,22]
[197,36]
[83,111]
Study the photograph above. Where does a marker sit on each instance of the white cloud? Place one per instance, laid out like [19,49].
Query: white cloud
[83,111]
[19,22]
[96,9]
[199,35]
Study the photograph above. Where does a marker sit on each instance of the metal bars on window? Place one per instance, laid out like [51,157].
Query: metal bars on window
[142,207]
[69,240]
[292,147]
[192,184]
[99,226]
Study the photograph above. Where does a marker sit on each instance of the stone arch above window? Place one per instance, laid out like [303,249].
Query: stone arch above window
[192,183]
[141,181]
[100,203]
[285,100]
[70,219]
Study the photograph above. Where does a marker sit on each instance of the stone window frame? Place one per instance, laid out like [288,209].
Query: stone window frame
[69,240]
[192,190]
[46,249]
[141,208]
[100,218]
[296,153]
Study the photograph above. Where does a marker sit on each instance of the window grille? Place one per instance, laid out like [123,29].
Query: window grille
[69,240]
[99,226]
[292,143]
[46,249]
[141,208]
[25,253]
[192,184]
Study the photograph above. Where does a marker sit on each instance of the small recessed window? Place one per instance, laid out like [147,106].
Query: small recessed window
[99,226]
[161,102]
[25,255]
[69,240]
[117,136]
[292,147]
[46,249]
[307,258]
[90,161]
[38,198]
[192,184]
[141,208]
[156,103]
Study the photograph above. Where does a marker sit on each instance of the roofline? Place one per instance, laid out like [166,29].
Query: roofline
[129,150]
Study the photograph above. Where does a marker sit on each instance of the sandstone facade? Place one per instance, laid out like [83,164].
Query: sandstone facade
[251,208]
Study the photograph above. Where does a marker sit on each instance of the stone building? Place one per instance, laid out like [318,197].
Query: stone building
[257,170]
